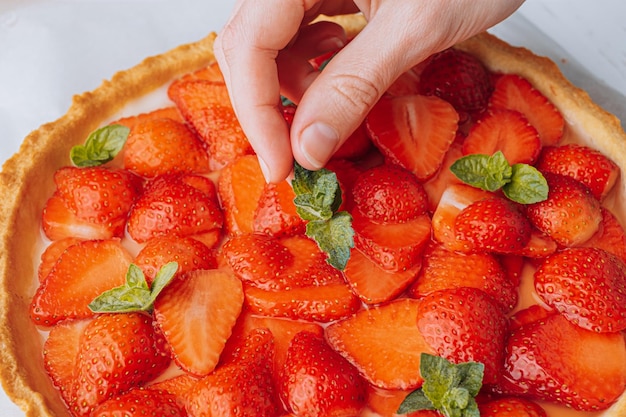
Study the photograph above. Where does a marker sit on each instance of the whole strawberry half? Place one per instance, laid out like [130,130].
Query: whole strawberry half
[389,194]
[463,325]
[587,285]
[459,78]
[164,146]
[554,360]
[116,353]
[98,195]
[179,205]
[570,215]
[493,225]
[582,163]
[317,381]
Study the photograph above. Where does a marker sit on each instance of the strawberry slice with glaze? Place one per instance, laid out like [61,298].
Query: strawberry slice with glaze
[514,92]
[276,213]
[464,325]
[373,284]
[83,271]
[196,314]
[586,285]
[610,236]
[582,163]
[317,381]
[444,269]
[507,131]
[383,343]
[414,131]
[554,360]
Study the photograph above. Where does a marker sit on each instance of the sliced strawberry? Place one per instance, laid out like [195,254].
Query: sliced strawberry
[374,285]
[59,354]
[141,402]
[570,215]
[240,186]
[560,362]
[189,253]
[610,236]
[464,325]
[586,285]
[101,196]
[414,132]
[241,388]
[347,173]
[516,93]
[213,298]
[276,213]
[511,407]
[84,271]
[444,269]
[582,163]
[59,222]
[322,303]
[459,78]
[164,112]
[164,146]
[318,381]
[454,199]
[436,185]
[406,84]
[117,352]
[392,246]
[283,330]
[507,131]
[173,205]
[383,343]
[52,253]
[205,105]
[389,194]
[493,225]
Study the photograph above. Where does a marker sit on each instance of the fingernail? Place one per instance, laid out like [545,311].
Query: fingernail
[317,143]
[265,169]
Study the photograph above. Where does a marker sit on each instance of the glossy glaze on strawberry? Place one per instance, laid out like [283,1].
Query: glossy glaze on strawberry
[256,322]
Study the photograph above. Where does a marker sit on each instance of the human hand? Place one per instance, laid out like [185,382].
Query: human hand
[264,49]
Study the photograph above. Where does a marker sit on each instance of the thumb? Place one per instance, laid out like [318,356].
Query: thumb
[337,101]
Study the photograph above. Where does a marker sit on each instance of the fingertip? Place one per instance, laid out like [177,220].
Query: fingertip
[316,144]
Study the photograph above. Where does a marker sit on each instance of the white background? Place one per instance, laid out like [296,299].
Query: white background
[50,50]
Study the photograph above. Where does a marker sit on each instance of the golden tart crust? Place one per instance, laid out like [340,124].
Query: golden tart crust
[26,181]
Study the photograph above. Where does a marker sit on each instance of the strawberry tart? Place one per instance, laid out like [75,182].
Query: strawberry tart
[464,253]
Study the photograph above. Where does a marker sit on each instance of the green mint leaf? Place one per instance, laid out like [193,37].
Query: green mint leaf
[527,185]
[335,237]
[318,198]
[415,401]
[486,172]
[521,183]
[135,294]
[447,387]
[101,146]
[286,102]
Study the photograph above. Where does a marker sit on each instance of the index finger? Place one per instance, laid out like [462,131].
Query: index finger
[246,51]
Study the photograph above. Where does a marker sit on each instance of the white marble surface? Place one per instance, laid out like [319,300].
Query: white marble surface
[52,49]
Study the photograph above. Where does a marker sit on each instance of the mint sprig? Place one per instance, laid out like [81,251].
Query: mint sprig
[135,294]
[521,183]
[449,388]
[101,146]
[318,198]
